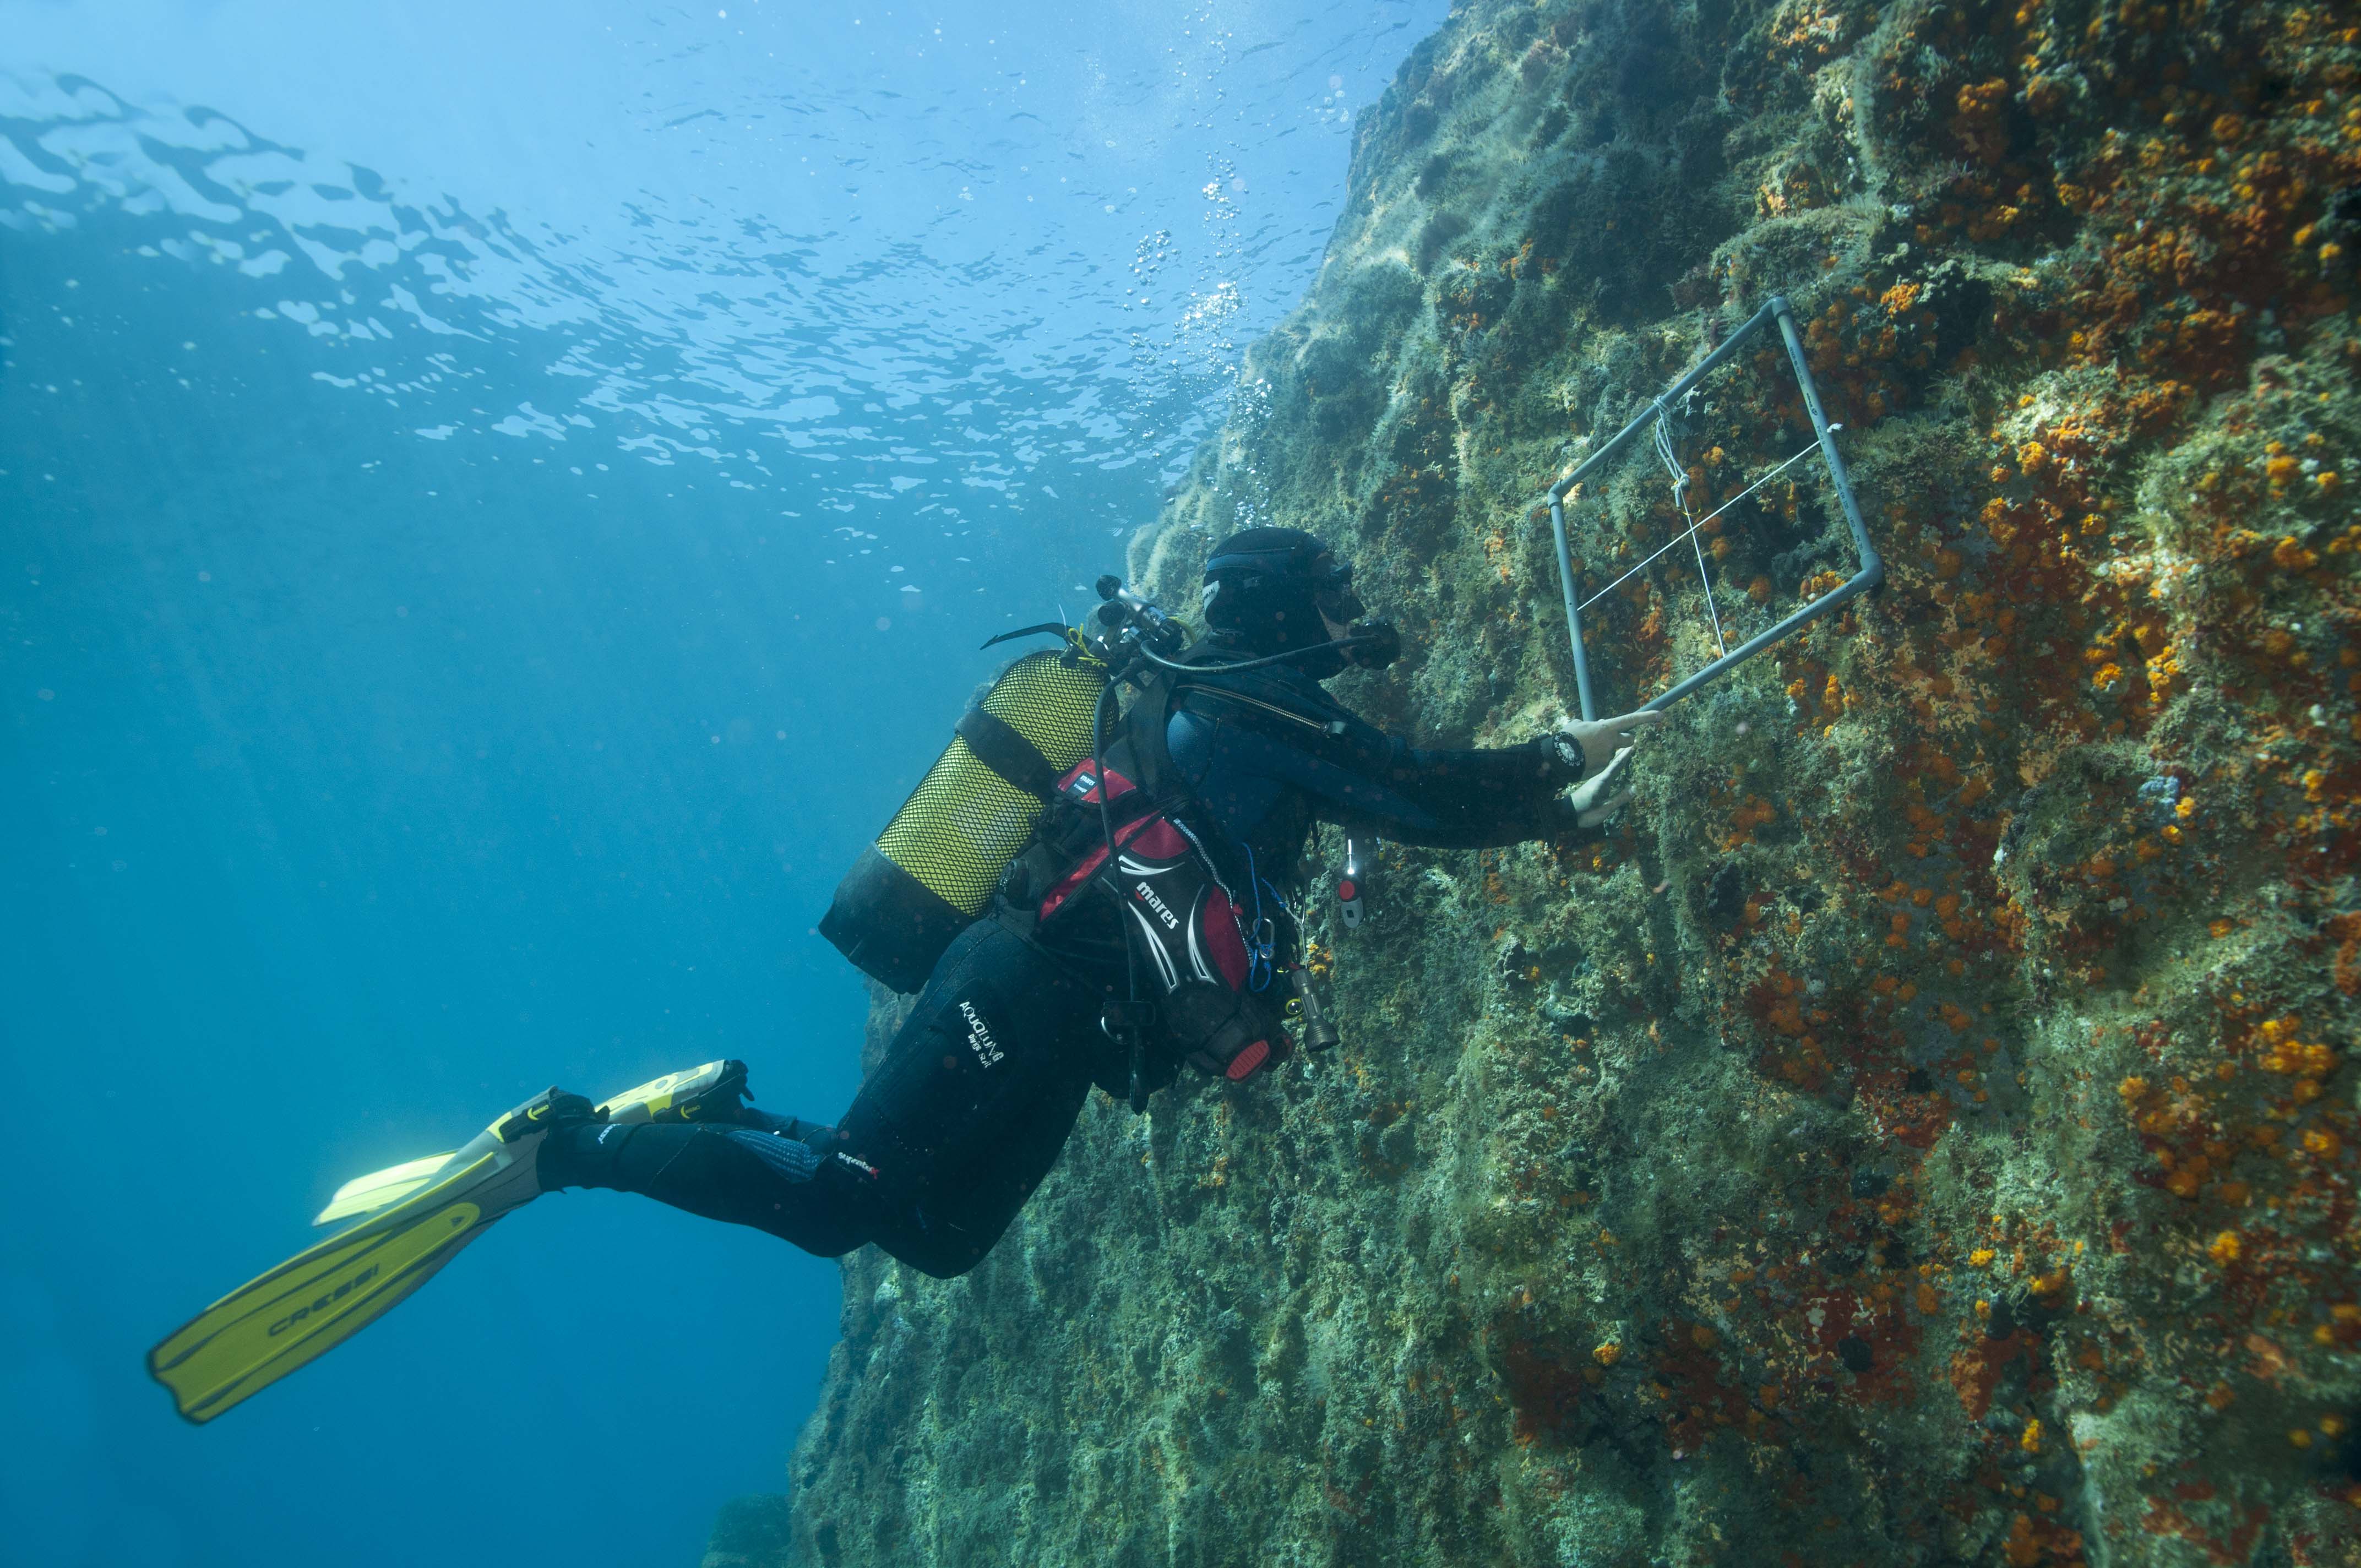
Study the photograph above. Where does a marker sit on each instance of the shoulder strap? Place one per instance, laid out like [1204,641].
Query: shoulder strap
[1143,725]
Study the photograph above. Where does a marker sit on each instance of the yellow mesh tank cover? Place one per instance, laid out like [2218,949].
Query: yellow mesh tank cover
[959,829]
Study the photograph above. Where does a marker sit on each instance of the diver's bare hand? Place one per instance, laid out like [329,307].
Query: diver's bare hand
[1596,798]
[1595,743]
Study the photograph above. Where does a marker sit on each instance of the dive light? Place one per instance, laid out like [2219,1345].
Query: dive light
[1318,1033]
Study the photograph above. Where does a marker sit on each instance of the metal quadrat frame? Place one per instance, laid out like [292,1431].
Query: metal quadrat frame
[1870,574]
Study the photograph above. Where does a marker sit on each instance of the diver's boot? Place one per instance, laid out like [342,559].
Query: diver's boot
[706,1093]
[553,1108]
[606,1152]
[321,1298]
[709,1094]
[524,1132]
[636,1157]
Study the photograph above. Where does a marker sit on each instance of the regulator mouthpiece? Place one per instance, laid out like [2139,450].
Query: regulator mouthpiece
[1373,644]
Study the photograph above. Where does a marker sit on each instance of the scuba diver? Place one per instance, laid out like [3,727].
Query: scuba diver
[1075,902]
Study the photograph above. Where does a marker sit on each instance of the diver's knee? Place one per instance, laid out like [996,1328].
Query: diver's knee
[944,1268]
[657,1160]
[938,1254]
[932,1266]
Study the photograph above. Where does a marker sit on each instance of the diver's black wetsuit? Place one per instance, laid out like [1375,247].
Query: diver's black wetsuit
[982,1085]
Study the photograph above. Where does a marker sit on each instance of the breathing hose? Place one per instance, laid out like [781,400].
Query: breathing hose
[1133,1035]
[1356,640]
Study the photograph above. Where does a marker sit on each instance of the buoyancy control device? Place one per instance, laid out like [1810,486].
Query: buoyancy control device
[932,872]
[1039,741]
[1185,929]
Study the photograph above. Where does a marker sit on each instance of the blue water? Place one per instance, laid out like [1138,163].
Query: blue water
[496,504]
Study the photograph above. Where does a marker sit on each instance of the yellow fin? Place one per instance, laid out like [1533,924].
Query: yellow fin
[657,1100]
[381,1189]
[314,1302]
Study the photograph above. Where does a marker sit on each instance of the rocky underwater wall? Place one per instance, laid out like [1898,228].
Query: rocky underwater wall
[1921,1131]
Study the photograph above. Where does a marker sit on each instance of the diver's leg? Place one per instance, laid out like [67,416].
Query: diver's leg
[815,1134]
[999,1026]
[974,1099]
[940,1147]
[737,1175]
[946,1228]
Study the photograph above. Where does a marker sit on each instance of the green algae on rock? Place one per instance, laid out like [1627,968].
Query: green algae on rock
[1922,1131]
[748,1533]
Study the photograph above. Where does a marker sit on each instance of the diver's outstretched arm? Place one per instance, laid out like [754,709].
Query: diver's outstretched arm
[1597,743]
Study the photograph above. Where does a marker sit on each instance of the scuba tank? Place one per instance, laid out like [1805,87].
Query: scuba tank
[932,872]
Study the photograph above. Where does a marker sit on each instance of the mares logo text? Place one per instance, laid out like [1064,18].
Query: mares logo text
[1147,894]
